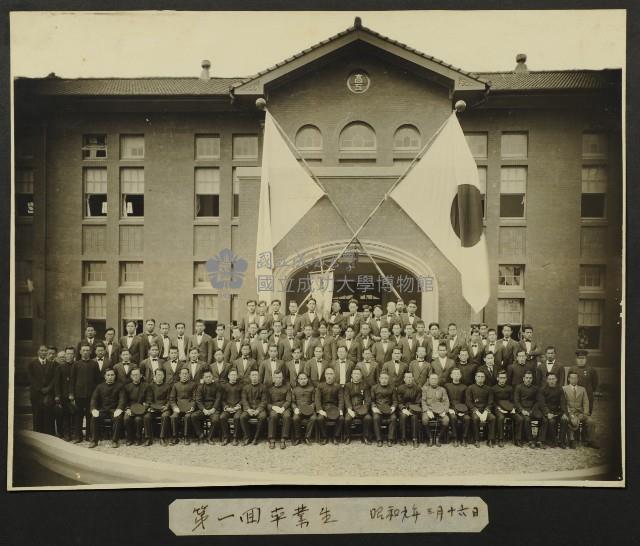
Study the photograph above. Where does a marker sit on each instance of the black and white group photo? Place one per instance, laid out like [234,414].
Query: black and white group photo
[295,248]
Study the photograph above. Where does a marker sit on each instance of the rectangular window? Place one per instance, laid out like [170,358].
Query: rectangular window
[513,183]
[594,145]
[201,275]
[236,195]
[131,308]
[512,241]
[245,147]
[24,192]
[94,274]
[131,274]
[589,324]
[482,180]
[594,192]
[510,312]
[205,307]
[207,147]
[94,147]
[24,317]
[131,146]
[24,273]
[511,277]
[95,313]
[477,143]
[95,192]
[132,188]
[592,277]
[207,193]
[514,146]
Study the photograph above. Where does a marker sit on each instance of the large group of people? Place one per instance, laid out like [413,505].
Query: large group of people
[384,375]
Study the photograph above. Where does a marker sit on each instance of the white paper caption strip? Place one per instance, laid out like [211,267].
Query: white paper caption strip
[288,516]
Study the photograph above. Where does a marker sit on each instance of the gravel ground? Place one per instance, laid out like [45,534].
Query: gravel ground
[347,460]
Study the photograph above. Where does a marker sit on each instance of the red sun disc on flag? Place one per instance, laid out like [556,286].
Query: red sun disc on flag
[466,215]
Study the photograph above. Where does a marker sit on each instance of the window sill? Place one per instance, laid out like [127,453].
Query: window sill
[514,160]
[235,221]
[132,221]
[514,293]
[206,221]
[131,289]
[594,221]
[124,161]
[592,293]
[513,221]
[405,154]
[95,220]
[86,289]
[358,154]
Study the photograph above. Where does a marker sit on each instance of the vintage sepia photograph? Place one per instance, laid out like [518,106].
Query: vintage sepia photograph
[317,248]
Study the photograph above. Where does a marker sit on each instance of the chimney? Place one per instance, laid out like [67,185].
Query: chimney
[521,67]
[204,75]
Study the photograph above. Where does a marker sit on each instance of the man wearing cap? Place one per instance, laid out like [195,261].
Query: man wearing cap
[303,405]
[578,412]
[329,406]
[41,373]
[549,366]
[253,404]
[587,376]
[157,401]
[525,401]
[181,394]
[278,399]
[132,393]
[458,410]
[409,397]
[207,399]
[105,405]
[553,405]
[503,400]
[357,400]
[479,399]
[435,407]
[384,402]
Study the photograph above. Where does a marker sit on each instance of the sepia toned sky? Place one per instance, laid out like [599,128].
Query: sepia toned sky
[130,44]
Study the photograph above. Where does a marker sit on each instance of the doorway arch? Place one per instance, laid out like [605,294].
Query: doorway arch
[287,267]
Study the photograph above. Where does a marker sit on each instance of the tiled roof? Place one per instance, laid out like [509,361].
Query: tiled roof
[132,86]
[344,33]
[552,80]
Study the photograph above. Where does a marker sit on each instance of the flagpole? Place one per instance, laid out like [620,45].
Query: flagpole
[335,205]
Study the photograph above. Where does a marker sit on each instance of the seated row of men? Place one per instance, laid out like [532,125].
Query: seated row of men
[182,407]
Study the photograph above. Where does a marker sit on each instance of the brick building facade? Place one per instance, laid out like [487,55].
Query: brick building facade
[126,187]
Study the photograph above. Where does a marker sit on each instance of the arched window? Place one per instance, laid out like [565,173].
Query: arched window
[357,137]
[407,138]
[309,139]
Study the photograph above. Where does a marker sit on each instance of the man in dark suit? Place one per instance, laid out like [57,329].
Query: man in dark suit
[329,395]
[207,398]
[132,342]
[278,404]
[549,366]
[275,314]
[325,341]
[90,339]
[408,344]
[232,350]
[442,365]
[201,341]
[84,378]
[219,368]
[244,364]
[311,317]
[269,366]
[476,349]
[317,366]
[395,368]
[532,349]
[525,400]
[353,319]
[172,366]
[303,394]
[231,405]
[455,342]
[133,392]
[149,365]
[181,341]
[157,394]
[356,394]
[260,347]
[409,394]
[376,322]
[508,348]
[195,366]
[100,357]
[410,316]
[293,318]
[148,338]
[552,404]
[276,335]
[350,344]
[124,367]
[183,390]
[342,366]
[515,372]
[420,368]
[62,379]
[307,341]
[104,404]
[296,366]
[112,348]
[368,368]
[166,341]
[383,396]
[490,370]
[335,315]
[41,373]
[383,349]
[262,317]
[364,338]
[288,343]
[391,318]
[479,400]
[502,398]
[423,340]
[254,406]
